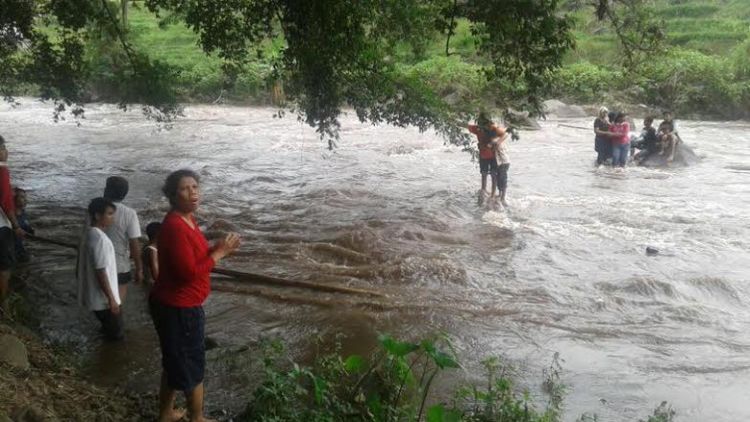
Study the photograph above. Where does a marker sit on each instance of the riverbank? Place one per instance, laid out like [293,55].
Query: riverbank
[44,382]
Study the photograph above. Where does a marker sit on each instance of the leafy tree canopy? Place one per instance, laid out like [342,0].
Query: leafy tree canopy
[336,53]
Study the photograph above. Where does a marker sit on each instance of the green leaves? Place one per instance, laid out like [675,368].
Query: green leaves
[354,364]
[439,413]
[396,348]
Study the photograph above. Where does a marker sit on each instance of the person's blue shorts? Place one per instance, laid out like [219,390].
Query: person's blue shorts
[182,342]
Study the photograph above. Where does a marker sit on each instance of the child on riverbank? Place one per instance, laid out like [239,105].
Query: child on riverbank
[151,253]
[97,270]
[19,196]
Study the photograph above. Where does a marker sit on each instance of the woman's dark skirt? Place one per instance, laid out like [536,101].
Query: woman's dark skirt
[603,147]
[181,337]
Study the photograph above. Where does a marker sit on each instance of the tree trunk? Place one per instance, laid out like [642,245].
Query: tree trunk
[124,13]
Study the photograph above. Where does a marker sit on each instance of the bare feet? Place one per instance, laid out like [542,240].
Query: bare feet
[504,202]
[175,416]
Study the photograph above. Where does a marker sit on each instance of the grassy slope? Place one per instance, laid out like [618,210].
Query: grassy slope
[712,27]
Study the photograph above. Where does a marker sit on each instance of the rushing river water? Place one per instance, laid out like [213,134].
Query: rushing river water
[564,269]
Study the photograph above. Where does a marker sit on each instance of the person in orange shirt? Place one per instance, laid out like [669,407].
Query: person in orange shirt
[486,132]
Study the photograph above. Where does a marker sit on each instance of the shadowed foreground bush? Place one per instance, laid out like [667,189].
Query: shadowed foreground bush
[395,385]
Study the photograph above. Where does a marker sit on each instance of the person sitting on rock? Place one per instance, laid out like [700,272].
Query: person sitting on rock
[668,137]
[647,143]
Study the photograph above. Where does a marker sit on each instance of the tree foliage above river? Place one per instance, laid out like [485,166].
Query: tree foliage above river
[334,54]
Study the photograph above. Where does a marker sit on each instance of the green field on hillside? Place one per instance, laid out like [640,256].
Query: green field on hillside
[709,44]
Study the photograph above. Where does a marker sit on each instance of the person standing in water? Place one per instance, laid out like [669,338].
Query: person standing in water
[9,228]
[20,199]
[500,146]
[176,300]
[602,143]
[486,131]
[97,270]
[620,132]
[125,234]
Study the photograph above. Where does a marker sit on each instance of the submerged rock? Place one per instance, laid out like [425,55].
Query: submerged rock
[684,156]
[520,119]
[13,352]
[651,251]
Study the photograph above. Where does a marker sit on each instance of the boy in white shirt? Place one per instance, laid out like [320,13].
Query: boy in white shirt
[125,234]
[97,270]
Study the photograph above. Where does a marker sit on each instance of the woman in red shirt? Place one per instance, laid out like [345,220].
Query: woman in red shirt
[620,131]
[176,302]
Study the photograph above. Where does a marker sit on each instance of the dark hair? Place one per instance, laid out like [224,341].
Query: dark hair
[2,140]
[173,181]
[620,116]
[152,229]
[17,190]
[648,119]
[99,206]
[483,118]
[116,188]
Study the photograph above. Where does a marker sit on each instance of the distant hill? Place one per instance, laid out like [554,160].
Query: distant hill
[712,27]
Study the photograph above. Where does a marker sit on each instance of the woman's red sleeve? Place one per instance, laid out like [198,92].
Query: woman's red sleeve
[6,193]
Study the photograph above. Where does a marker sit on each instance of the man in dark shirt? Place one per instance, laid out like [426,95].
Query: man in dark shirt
[648,143]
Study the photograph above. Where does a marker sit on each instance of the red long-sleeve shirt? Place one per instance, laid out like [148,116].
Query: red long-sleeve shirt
[185,264]
[6,192]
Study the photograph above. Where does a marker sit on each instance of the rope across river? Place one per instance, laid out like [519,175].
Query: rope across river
[249,277]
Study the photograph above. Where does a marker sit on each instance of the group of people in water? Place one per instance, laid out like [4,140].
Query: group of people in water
[175,267]
[613,140]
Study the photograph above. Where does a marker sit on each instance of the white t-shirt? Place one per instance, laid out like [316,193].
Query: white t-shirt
[125,227]
[96,253]
[501,151]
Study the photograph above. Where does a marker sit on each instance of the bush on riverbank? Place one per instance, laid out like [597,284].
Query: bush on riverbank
[396,385]
[688,82]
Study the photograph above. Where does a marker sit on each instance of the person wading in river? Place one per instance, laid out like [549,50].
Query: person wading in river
[97,270]
[20,201]
[176,300]
[500,146]
[486,132]
[620,131]
[602,143]
[125,234]
[9,228]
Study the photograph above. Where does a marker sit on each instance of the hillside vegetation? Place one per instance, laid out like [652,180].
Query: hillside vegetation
[704,72]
